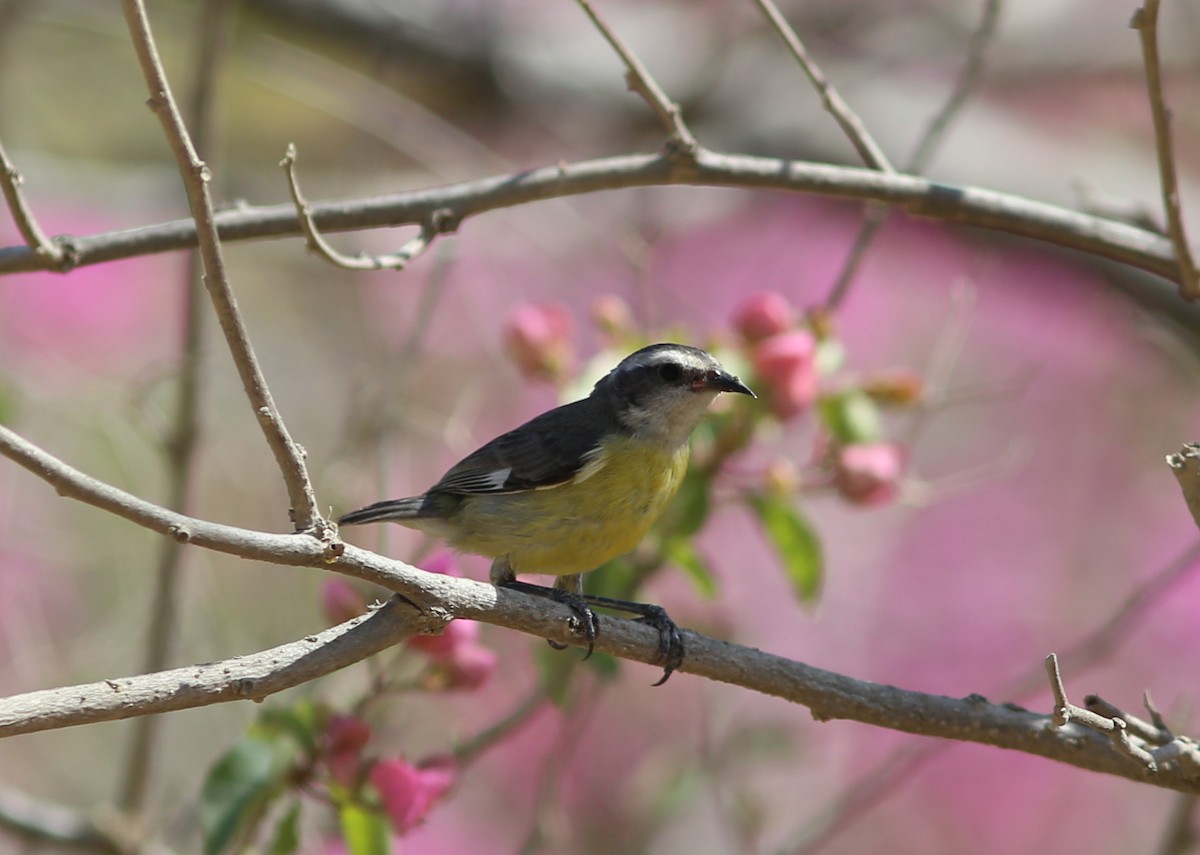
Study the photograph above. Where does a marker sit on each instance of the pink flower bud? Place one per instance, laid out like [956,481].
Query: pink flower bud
[612,316]
[345,738]
[540,338]
[763,315]
[408,793]
[870,473]
[341,601]
[786,364]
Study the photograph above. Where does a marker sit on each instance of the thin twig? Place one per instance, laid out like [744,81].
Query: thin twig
[852,126]
[931,138]
[288,455]
[1066,712]
[643,83]
[1145,21]
[182,440]
[438,598]
[41,246]
[973,206]
[438,222]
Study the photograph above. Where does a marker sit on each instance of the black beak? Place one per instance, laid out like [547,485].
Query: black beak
[723,381]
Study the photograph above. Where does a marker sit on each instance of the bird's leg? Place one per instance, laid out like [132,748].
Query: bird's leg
[670,640]
[567,590]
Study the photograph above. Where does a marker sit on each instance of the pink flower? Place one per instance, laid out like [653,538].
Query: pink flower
[763,315]
[540,338]
[786,365]
[345,738]
[408,792]
[869,473]
[341,601]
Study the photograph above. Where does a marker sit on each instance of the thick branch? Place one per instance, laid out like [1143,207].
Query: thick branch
[437,598]
[252,677]
[973,206]
[288,455]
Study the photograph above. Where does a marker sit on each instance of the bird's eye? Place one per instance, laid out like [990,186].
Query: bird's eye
[670,372]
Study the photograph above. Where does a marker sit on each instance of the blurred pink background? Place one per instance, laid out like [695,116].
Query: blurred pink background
[1036,503]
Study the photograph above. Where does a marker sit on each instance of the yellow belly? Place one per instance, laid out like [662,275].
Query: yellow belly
[579,525]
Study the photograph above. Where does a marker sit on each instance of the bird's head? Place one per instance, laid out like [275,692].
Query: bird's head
[660,392]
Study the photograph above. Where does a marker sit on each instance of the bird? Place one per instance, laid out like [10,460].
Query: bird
[576,486]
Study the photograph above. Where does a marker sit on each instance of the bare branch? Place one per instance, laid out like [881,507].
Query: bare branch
[1117,241]
[288,455]
[183,432]
[435,599]
[1128,741]
[438,222]
[251,677]
[1145,21]
[935,132]
[27,225]
[641,82]
[852,126]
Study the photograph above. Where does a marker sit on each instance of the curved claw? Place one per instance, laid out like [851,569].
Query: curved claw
[585,622]
[670,640]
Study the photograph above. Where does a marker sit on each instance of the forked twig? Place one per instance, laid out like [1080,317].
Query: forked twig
[870,152]
[440,221]
[935,132]
[1145,21]
[27,224]
[643,83]
[289,456]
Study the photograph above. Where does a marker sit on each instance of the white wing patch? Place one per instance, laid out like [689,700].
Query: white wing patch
[594,461]
[495,480]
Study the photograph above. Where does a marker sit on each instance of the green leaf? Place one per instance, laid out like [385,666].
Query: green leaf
[304,722]
[852,417]
[366,832]
[794,540]
[681,552]
[237,790]
[286,838]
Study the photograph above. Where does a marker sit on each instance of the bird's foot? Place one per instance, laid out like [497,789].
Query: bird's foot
[583,622]
[670,639]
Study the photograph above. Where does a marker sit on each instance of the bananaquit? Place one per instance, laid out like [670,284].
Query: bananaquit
[578,485]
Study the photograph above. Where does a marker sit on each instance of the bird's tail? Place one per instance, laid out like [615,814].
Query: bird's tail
[389,509]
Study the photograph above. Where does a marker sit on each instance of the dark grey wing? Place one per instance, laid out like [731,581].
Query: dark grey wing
[545,451]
